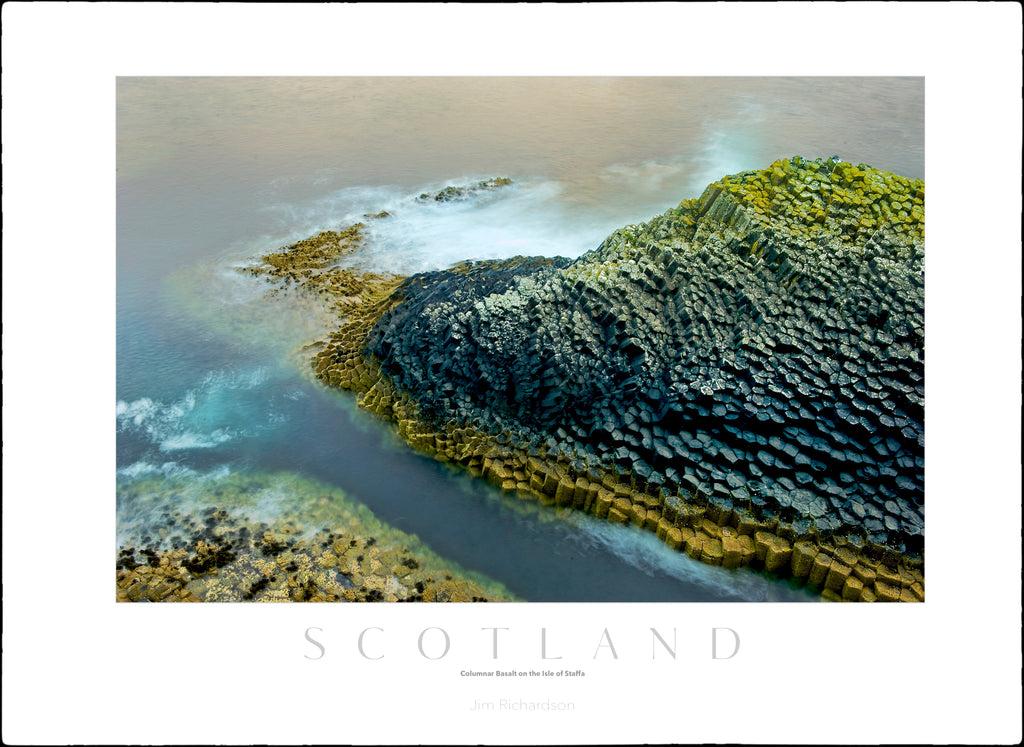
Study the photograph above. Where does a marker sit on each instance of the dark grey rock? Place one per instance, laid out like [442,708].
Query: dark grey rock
[797,365]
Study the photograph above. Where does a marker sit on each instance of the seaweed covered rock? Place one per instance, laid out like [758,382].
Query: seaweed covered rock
[758,351]
[319,546]
[453,193]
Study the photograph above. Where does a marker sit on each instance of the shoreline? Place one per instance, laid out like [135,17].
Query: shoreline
[319,547]
[843,564]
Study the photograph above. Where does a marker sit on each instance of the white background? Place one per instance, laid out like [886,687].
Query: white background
[79,668]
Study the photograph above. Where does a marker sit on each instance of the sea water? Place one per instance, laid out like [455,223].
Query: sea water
[212,378]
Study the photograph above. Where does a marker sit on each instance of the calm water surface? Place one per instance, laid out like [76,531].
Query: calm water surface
[214,172]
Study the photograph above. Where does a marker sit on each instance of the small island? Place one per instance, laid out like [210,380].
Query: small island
[742,375]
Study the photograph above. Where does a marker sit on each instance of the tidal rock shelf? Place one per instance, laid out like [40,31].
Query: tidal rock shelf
[273,538]
[743,375]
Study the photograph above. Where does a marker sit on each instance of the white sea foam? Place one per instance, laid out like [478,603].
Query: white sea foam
[334,210]
[141,469]
[530,217]
[146,490]
[188,440]
[533,216]
[644,551]
[136,412]
[524,219]
[204,417]
[725,151]
[173,470]
[249,378]
[731,145]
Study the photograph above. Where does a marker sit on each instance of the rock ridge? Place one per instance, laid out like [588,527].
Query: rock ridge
[743,374]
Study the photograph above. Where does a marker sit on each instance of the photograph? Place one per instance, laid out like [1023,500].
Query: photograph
[520,339]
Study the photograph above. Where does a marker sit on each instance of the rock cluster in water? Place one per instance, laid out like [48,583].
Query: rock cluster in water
[458,194]
[743,375]
[321,548]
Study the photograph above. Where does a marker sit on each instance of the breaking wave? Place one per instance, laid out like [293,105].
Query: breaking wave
[645,552]
[224,407]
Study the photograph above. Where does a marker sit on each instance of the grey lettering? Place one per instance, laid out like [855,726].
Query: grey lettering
[606,637]
[360,645]
[657,635]
[495,644]
[544,645]
[315,643]
[714,643]
[447,644]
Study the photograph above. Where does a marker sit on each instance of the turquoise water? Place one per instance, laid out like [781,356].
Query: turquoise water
[213,173]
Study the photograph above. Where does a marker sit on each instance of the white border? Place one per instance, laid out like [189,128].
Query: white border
[78,668]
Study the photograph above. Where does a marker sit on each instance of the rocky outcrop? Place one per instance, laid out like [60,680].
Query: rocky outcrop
[319,548]
[458,194]
[743,375]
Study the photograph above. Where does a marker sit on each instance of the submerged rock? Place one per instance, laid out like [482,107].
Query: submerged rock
[751,358]
[319,546]
[457,194]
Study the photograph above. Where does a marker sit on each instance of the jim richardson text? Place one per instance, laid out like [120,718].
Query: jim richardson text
[518,704]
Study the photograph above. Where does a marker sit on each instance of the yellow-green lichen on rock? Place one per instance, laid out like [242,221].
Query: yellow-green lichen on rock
[806,198]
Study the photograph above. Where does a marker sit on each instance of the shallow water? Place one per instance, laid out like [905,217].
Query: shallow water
[213,173]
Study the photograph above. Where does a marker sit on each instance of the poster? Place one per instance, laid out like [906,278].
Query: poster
[606,672]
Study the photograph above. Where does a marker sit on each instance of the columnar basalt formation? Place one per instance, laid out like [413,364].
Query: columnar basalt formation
[743,375]
[321,547]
